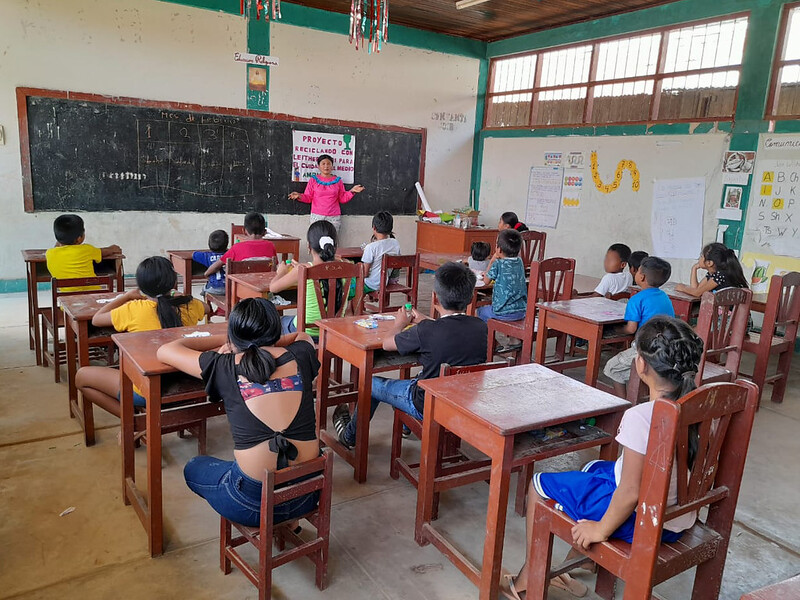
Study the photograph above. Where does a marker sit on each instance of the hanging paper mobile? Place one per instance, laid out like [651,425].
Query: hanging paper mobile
[369,23]
[268,7]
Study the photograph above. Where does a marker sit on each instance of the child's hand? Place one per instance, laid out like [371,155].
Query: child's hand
[357,188]
[586,533]
[294,195]
[114,249]
[496,254]
[416,317]
[134,294]
[401,319]
[282,269]
[226,348]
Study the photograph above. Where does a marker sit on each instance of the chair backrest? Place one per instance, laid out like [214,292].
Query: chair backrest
[329,272]
[236,230]
[447,369]
[402,262]
[60,287]
[722,414]
[722,325]
[233,267]
[783,307]
[532,246]
[550,280]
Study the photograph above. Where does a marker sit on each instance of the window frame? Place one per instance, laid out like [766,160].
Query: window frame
[658,78]
[777,64]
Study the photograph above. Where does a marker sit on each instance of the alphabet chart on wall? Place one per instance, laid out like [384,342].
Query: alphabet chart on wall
[773,221]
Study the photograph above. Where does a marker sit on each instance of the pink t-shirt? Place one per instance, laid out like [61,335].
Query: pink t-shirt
[250,250]
[325,195]
[634,432]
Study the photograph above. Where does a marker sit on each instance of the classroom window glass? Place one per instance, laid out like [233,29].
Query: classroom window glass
[784,101]
[682,73]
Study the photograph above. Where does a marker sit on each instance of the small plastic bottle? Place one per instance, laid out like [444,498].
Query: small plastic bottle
[409,309]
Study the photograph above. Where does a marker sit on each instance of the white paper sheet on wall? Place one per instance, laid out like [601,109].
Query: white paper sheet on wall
[677,218]
[544,197]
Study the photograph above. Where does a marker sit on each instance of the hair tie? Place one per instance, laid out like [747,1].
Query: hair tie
[325,240]
[253,345]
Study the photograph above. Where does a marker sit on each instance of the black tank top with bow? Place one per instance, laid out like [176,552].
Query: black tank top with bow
[224,383]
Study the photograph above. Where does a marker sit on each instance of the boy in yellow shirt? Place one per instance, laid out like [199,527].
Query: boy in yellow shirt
[71,258]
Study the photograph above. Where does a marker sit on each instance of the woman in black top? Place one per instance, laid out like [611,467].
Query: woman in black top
[265,381]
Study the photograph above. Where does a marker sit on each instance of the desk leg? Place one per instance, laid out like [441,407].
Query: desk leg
[120,276]
[362,426]
[83,360]
[29,268]
[155,524]
[541,338]
[187,277]
[72,351]
[496,518]
[593,357]
[431,434]
[683,310]
[126,428]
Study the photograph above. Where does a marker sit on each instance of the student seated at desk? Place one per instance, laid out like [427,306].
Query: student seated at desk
[71,258]
[150,306]
[478,259]
[383,242]
[603,496]
[253,247]
[506,269]
[321,237]
[454,338]
[509,220]
[265,381]
[650,302]
[635,260]
[723,270]
[617,278]
[217,246]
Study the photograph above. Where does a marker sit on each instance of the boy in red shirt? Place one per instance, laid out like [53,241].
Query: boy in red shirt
[253,247]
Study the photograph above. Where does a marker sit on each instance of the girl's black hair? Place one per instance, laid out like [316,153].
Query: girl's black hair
[324,157]
[673,350]
[156,279]
[316,232]
[727,263]
[510,219]
[253,323]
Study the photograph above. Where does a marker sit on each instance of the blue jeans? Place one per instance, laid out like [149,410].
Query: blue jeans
[138,400]
[288,324]
[486,312]
[237,496]
[394,392]
[218,291]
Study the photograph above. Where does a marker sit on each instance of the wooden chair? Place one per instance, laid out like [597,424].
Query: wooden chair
[232,267]
[407,262]
[449,454]
[278,487]
[778,334]
[52,319]
[533,243]
[550,280]
[236,230]
[722,325]
[723,413]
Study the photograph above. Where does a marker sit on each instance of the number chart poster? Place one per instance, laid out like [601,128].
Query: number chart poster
[308,145]
[774,213]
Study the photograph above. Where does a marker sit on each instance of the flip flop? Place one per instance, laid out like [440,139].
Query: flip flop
[570,585]
[507,587]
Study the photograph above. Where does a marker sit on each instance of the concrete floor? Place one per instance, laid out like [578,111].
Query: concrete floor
[99,550]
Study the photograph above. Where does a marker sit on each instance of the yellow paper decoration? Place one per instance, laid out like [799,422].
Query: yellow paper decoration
[571,202]
[607,188]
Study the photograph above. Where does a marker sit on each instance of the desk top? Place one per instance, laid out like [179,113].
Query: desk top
[594,310]
[38,255]
[184,254]
[258,282]
[351,252]
[83,307]
[669,289]
[437,258]
[584,284]
[237,237]
[522,398]
[359,337]
[140,347]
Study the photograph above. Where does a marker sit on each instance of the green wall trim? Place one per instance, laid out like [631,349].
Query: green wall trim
[613,130]
[13,286]
[258,42]
[477,140]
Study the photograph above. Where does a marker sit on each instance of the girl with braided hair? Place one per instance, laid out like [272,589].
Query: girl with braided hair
[602,497]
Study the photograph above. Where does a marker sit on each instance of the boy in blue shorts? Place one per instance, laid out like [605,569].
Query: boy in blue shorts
[653,272]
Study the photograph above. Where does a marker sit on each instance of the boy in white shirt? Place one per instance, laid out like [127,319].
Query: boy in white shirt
[617,278]
[384,243]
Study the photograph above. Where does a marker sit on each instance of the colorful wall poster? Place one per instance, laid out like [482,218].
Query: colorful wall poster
[773,217]
[572,189]
[308,145]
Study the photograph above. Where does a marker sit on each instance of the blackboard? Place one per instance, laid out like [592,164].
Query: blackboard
[82,152]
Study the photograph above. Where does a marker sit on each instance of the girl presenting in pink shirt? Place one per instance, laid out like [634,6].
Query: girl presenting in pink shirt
[325,192]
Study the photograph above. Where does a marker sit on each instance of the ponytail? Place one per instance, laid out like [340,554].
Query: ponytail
[253,323]
[157,279]
[727,263]
[673,350]
[321,237]
[169,310]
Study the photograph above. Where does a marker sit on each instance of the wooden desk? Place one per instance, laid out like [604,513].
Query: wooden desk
[785,590]
[353,253]
[584,285]
[357,346]
[284,245]
[140,367]
[36,272]
[434,260]
[188,269]
[587,318]
[80,333]
[446,239]
[759,303]
[256,285]
[493,411]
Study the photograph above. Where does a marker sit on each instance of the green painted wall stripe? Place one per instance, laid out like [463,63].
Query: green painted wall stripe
[258,42]
[12,286]
[477,140]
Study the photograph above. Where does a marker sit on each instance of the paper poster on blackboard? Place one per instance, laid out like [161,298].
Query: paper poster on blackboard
[677,218]
[544,196]
[307,146]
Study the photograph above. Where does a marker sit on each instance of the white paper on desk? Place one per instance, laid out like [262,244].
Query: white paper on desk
[677,218]
[197,334]
[273,234]
[107,300]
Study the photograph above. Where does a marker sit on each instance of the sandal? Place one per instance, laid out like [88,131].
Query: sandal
[570,585]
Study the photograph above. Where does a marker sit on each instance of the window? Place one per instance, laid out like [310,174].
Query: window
[687,73]
[784,100]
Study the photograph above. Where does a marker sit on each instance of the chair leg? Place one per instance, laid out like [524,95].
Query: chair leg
[88,421]
[605,585]
[201,431]
[224,542]
[524,478]
[779,387]
[708,578]
[760,374]
[397,446]
[492,345]
[541,554]
[57,352]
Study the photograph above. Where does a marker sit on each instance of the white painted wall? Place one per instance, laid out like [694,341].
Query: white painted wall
[585,232]
[162,51]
